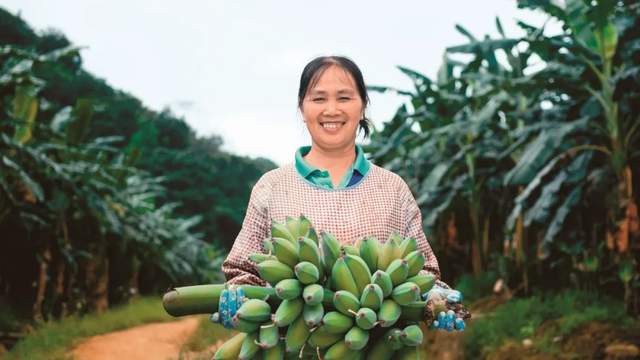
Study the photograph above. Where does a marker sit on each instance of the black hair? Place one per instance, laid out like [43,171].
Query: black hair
[314,69]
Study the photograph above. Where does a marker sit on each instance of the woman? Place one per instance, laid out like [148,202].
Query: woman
[331,182]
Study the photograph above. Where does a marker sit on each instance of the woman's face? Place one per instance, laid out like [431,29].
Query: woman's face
[332,110]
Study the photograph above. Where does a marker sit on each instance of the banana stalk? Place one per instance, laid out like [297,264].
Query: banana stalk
[203,299]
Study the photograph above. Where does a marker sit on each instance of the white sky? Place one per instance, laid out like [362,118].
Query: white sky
[232,67]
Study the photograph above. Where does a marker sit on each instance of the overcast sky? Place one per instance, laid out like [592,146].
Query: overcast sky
[232,67]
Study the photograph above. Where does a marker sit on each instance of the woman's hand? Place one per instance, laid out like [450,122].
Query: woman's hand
[444,309]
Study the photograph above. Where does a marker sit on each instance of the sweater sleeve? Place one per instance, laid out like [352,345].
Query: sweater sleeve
[237,267]
[413,220]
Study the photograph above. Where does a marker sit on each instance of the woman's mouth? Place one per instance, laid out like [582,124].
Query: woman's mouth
[332,125]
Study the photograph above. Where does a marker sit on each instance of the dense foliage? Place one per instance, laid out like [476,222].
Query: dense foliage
[524,152]
[101,197]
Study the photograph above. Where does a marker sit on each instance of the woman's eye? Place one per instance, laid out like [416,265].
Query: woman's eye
[317,99]
[344,98]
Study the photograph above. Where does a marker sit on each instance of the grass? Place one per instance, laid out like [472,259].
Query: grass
[205,335]
[52,340]
[522,318]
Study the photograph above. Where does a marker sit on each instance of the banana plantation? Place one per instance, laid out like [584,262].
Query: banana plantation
[524,157]
[523,154]
[97,199]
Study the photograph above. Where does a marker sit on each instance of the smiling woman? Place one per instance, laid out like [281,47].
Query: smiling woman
[332,100]
[331,182]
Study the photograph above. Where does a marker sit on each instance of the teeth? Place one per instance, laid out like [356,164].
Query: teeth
[331,125]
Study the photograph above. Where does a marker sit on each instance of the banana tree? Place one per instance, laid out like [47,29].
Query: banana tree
[591,82]
[561,135]
[461,148]
[67,200]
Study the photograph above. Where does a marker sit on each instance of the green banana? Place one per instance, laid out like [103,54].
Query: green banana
[258,258]
[424,280]
[346,302]
[249,348]
[387,254]
[407,246]
[356,338]
[255,310]
[349,250]
[309,251]
[414,311]
[288,289]
[285,250]
[406,293]
[272,271]
[313,235]
[389,313]
[393,338]
[411,335]
[320,338]
[398,271]
[279,230]
[313,314]
[305,225]
[330,250]
[327,298]
[297,334]
[306,272]
[266,244]
[293,225]
[369,249]
[287,312]
[339,350]
[274,353]
[313,294]
[269,336]
[342,277]
[395,237]
[359,270]
[231,348]
[336,323]
[257,292]
[243,325]
[380,351]
[366,318]
[383,280]
[372,296]
[415,261]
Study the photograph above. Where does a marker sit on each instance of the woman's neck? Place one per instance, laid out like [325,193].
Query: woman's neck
[336,162]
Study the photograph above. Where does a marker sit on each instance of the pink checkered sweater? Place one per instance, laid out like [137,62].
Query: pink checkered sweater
[376,206]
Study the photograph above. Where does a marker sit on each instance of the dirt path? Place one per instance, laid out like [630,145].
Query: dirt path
[158,341]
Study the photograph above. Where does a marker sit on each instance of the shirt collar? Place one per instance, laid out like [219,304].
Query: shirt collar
[303,167]
[361,164]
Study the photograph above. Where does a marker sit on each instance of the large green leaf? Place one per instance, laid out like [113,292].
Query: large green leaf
[557,224]
[61,119]
[33,186]
[573,174]
[487,45]
[78,127]
[541,210]
[25,109]
[537,154]
[528,190]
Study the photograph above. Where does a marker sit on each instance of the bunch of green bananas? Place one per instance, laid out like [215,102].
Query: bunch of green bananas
[335,302]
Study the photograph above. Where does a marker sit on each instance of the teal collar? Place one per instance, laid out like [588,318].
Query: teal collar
[321,177]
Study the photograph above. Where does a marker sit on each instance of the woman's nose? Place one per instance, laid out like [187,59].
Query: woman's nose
[331,108]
